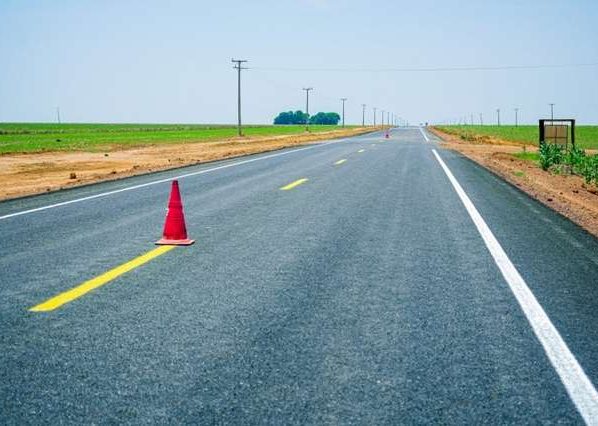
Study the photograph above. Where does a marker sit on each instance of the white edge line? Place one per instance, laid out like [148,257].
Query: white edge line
[155,182]
[424,134]
[578,385]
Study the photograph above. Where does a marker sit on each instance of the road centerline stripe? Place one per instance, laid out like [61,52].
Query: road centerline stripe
[577,384]
[84,288]
[361,150]
[339,162]
[294,184]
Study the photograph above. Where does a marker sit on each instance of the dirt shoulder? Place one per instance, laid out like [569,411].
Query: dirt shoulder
[29,174]
[566,194]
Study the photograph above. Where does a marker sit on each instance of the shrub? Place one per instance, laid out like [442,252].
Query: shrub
[550,154]
[589,169]
[576,158]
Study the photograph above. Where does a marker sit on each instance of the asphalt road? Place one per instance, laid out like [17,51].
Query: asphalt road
[365,295]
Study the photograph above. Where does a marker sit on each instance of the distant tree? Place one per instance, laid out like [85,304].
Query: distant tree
[284,118]
[299,117]
[327,118]
[290,117]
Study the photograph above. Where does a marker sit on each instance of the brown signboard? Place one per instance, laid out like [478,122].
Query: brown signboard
[557,131]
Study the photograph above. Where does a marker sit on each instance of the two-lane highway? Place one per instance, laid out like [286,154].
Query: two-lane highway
[344,282]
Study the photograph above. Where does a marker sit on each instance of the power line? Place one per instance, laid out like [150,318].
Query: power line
[435,69]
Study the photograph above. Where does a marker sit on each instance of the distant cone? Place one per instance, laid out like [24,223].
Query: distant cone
[175,231]
[387,135]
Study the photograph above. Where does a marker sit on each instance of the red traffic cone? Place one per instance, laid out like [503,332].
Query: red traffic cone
[175,231]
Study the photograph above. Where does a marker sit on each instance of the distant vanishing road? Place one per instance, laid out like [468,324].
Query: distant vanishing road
[357,281]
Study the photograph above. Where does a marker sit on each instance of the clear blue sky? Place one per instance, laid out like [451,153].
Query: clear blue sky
[169,61]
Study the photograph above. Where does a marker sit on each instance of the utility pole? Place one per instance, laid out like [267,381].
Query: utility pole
[382,118]
[58,114]
[481,120]
[471,119]
[516,118]
[551,111]
[307,89]
[363,115]
[498,116]
[239,67]
[374,116]
[343,99]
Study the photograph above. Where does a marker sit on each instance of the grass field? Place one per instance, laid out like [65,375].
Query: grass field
[40,137]
[585,136]
[527,156]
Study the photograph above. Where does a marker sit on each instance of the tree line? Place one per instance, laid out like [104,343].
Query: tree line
[299,117]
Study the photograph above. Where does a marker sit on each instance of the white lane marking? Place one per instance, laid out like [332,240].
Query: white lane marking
[578,385]
[155,182]
[423,134]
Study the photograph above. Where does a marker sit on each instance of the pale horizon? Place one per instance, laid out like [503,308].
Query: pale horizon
[147,62]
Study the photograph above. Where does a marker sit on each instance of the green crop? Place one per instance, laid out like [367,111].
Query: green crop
[41,137]
[586,136]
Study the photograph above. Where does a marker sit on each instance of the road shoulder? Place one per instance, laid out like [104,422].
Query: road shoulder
[568,195]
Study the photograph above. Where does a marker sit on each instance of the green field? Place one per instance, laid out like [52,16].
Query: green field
[40,137]
[585,136]
[527,156]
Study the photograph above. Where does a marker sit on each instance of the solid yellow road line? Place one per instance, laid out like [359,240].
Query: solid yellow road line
[361,150]
[339,162]
[87,286]
[294,184]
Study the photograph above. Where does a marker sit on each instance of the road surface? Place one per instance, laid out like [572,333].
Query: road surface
[319,291]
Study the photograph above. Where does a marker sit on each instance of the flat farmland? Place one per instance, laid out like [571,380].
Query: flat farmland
[44,137]
[585,136]
[37,158]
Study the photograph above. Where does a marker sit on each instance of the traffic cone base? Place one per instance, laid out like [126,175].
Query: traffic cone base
[165,242]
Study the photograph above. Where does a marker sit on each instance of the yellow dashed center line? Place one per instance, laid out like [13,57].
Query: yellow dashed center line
[339,162]
[82,289]
[293,184]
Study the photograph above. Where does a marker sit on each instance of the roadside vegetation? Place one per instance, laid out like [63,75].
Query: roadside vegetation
[586,137]
[555,158]
[44,137]
[550,157]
